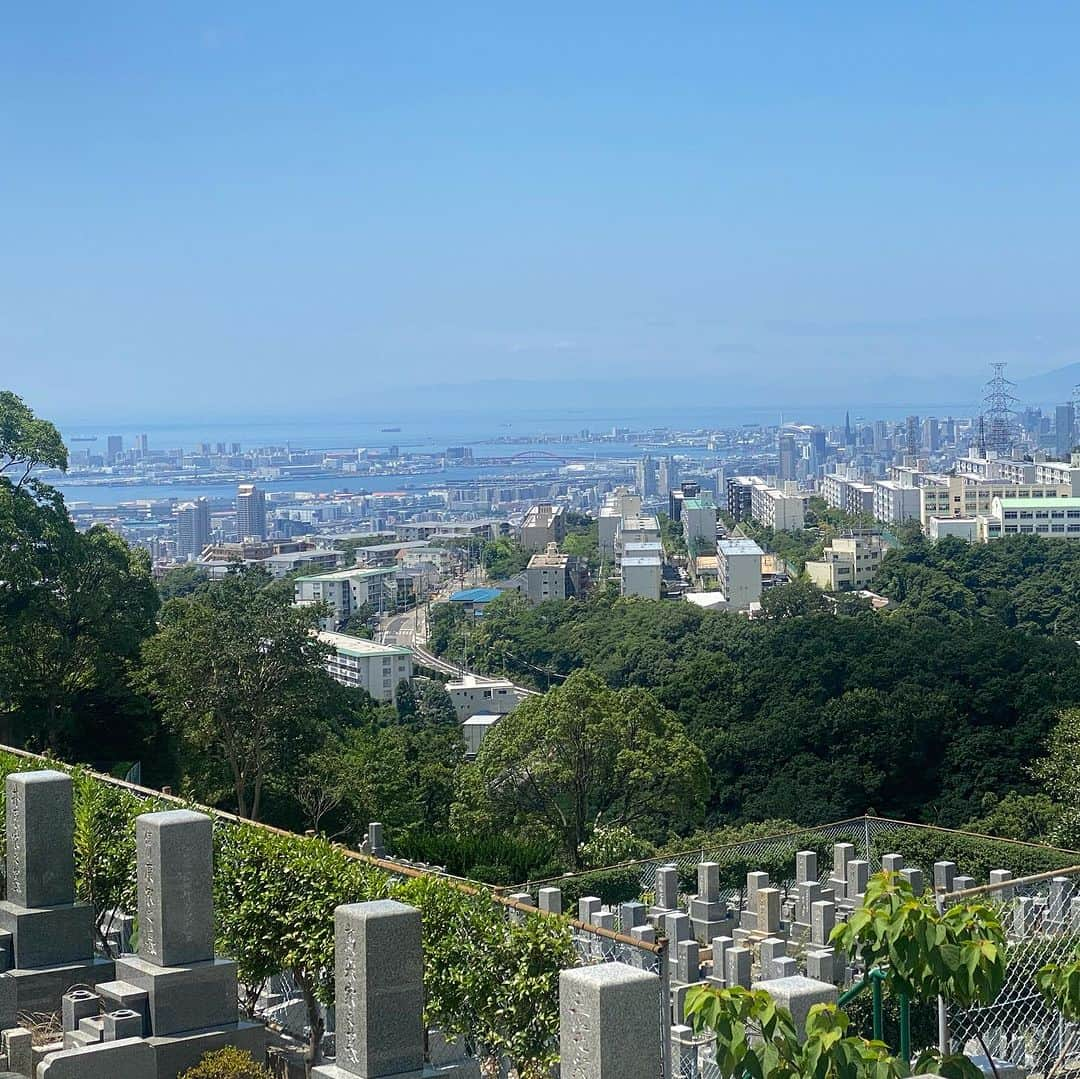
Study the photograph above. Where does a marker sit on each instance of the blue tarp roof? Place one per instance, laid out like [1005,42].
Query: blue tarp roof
[474,595]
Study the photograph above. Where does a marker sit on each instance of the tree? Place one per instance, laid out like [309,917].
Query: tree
[1059,772]
[227,1063]
[503,557]
[182,581]
[237,671]
[583,754]
[26,442]
[792,600]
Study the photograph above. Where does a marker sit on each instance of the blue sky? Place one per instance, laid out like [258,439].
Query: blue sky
[207,203]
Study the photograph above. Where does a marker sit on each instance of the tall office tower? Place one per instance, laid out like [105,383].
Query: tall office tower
[819,450]
[950,430]
[250,511]
[1064,430]
[192,528]
[114,446]
[142,444]
[221,449]
[235,448]
[646,477]
[913,436]
[931,434]
[788,457]
[668,479]
[881,434]
[849,435]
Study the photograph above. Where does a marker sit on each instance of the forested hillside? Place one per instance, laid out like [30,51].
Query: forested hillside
[817,716]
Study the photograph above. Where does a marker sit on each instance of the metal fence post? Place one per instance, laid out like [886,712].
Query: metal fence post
[665,1008]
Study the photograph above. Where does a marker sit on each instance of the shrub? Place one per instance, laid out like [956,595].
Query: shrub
[227,1063]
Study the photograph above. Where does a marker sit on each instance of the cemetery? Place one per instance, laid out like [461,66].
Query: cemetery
[146,960]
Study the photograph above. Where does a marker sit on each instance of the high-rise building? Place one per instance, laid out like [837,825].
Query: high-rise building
[250,511]
[192,528]
[819,450]
[646,477]
[114,446]
[914,436]
[1064,430]
[235,448]
[931,434]
[142,444]
[668,478]
[788,457]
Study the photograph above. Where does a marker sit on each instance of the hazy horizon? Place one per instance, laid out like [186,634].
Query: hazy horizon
[256,211]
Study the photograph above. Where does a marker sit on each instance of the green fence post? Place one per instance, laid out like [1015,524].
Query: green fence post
[905,1028]
[875,988]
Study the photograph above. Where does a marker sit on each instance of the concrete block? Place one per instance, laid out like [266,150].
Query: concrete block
[77,1005]
[175,1054]
[550,900]
[184,998]
[609,1023]
[132,1058]
[40,990]
[49,936]
[18,1045]
[631,915]
[806,867]
[120,1024]
[588,906]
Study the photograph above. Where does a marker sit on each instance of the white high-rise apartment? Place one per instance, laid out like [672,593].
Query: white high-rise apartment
[250,511]
[192,529]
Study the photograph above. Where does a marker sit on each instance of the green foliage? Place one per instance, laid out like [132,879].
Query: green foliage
[26,441]
[1059,771]
[182,581]
[582,540]
[1059,985]
[792,600]
[580,755]
[227,1063]
[503,557]
[496,859]
[238,674]
[1031,818]
[671,535]
[924,1018]
[1025,582]
[958,954]
[977,854]
[756,1038]
[928,719]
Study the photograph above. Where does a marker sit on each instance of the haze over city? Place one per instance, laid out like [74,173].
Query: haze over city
[268,212]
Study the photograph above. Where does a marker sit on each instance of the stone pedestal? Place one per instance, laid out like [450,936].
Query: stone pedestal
[798,995]
[609,1023]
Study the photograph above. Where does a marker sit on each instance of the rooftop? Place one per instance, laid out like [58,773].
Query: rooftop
[475,595]
[348,574]
[1066,502]
[738,546]
[704,502]
[358,646]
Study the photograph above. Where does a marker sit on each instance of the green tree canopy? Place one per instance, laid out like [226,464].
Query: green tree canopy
[584,754]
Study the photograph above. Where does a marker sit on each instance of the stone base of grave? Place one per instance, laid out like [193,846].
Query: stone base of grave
[199,996]
[48,936]
[179,1052]
[41,990]
[463,1069]
[131,1058]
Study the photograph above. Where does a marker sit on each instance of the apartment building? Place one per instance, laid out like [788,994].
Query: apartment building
[850,562]
[544,524]
[635,530]
[738,563]
[752,497]
[376,668]
[472,696]
[550,575]
[851,496]
[620,503]
[1057,519]
[964,528]
[894,503]
[641,570]
[1061,474]
[346,590]
[991,467]
[969,496]
[699,523]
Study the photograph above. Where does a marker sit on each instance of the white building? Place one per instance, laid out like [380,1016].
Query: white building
[346,590]
[1061,474]
[699,523]
[545,523]
[965,528]
[894,503]
[970,496]
[620,503]
[739,565]
[635,529]
[550,576]
[751,496]
[849,562]
[641,574]
[376,668]
[850,495]
[473,696]
[1057,519]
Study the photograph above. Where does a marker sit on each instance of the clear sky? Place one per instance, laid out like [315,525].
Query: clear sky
[304,206]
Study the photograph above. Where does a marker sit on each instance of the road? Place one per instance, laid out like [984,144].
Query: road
[409,630]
